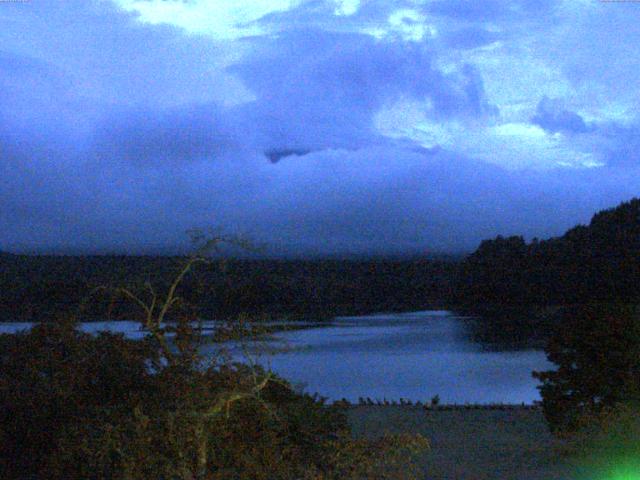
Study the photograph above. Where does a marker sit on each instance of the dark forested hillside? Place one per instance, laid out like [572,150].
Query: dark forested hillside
[599,262]
[39,287]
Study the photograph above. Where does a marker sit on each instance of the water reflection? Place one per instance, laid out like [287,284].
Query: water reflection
[412,356]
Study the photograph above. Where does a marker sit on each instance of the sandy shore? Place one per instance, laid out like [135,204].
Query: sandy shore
[472,444]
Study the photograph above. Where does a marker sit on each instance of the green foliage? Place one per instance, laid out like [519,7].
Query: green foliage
[596,349]
[75,406]
[57,378]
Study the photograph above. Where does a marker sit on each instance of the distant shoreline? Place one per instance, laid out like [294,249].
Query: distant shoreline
[448,407]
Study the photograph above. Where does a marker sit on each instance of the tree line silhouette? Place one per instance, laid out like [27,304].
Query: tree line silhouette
[599,262]
[581,291]
[36,288]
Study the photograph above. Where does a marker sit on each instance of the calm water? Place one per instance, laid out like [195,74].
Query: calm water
[412,355]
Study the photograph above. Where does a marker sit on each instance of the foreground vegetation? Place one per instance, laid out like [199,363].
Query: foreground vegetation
[597,352]
[75,406]
[81,407]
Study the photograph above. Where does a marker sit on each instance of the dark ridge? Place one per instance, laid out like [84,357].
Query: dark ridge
[43,287]
[275,155]
[599,262]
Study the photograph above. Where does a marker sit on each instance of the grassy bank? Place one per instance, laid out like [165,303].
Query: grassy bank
[472,444]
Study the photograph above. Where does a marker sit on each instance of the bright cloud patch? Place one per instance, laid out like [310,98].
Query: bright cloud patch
[347,7]
[220,19]
[520,130]
[411,25]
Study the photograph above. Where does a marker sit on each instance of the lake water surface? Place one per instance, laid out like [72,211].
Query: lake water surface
[411,355]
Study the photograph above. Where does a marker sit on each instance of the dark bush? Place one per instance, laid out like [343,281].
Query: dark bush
[597,350]
[75,406]
[56,378]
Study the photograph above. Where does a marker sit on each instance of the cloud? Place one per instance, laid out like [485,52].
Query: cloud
[383,126]
[617,144]
[488,10]
[317,90]
[220,19]
[153,137]
[470,37]
[552,117]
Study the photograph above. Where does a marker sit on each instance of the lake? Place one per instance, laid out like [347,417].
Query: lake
[412,355]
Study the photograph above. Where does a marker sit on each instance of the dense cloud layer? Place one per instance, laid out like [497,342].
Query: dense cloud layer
[335,127]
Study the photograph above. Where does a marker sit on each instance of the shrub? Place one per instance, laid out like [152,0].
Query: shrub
[75,406]
[597,351]
[81,407]
[55,378]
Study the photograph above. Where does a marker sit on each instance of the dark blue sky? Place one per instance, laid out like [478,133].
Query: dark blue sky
[417,126]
